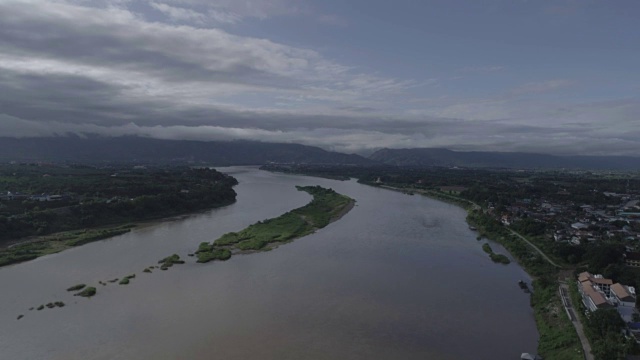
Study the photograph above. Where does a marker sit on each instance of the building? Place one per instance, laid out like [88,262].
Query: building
[604,285]
[594,290]
[623,295]
[593,299]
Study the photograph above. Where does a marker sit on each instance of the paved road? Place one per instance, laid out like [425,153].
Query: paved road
[566,300]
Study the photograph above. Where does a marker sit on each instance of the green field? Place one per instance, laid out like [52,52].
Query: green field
[55,243]
[327,205]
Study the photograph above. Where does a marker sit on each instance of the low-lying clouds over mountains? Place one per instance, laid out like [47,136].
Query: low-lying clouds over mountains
[236,70]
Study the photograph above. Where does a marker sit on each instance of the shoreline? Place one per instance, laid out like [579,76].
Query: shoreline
[275,245]
[56,240]
[326,207]
[542,299]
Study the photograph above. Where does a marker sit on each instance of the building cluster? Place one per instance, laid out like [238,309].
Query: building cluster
[580,223]
[598,292]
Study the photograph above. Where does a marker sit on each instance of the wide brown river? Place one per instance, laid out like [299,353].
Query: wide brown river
[399,277]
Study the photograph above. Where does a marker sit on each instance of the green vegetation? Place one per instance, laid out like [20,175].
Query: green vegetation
[40,307]
[540,206]
[206,252]
[54,206]
[125,280]
[51,305]
[169,261]
[604,329]
[558,339]
[77,287]
[52,244]
[326,206]
[87,292]
[497,258]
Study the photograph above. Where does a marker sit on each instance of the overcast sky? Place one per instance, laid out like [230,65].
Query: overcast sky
[551,76]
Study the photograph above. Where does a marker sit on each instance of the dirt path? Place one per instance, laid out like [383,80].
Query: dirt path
[536,248]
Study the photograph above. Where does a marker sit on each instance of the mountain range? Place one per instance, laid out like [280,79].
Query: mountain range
[132,149]
[420,157]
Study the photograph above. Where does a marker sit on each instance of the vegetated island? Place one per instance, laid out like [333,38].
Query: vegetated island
[45,209]
[497,258]
[327,206]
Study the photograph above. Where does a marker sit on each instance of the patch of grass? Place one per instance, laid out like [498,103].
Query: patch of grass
[77,287]
[215,254]
[487,248]
[496,258]
[558,339]
[87,292]
[326,206]
[500,258]
[57,242]
[125,280]
[169,261]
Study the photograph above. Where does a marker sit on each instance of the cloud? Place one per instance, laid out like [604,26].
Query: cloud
[102,68]
[541,87]
[240,9]
[481,69]
[114,46]
[176,13]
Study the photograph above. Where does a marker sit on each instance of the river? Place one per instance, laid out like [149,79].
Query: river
[399,277]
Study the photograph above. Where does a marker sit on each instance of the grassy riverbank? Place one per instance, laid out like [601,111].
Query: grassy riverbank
[51,208]
[52,244]
[326,206]
[558,339]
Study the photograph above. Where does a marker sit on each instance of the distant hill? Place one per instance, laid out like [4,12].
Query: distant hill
[515,160]
[145,150]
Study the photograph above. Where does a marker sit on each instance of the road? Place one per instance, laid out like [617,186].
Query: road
[575,320]
[536,248]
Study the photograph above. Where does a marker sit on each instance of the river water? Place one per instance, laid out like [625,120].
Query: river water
[399,277]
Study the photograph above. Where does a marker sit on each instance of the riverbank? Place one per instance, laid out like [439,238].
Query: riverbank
[558,339]
[37,246]
[318,290]
[326,207]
